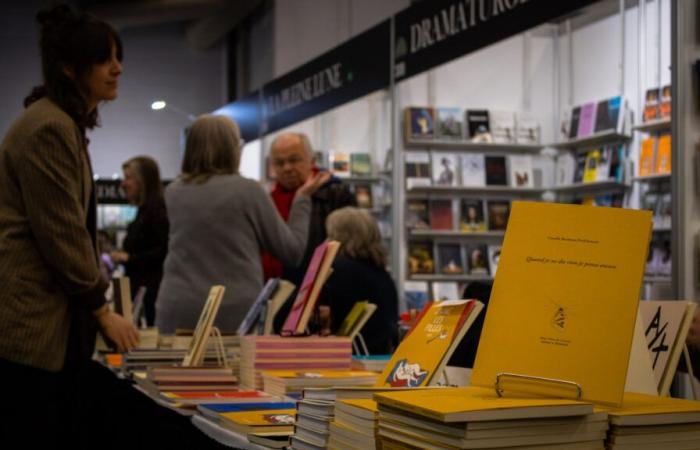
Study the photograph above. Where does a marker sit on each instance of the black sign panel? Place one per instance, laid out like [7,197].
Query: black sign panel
[247,113]
[352,70]
[110,192]
[434,32]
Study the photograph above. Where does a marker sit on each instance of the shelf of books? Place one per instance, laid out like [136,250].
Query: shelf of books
[468,146]
[654,177]
[593,140]
[590,187]
[481,190]
[654,125]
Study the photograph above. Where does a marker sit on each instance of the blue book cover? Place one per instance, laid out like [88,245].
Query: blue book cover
[238,407]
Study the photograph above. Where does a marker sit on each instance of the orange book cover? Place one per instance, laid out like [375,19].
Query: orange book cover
[646,157]
[663,155]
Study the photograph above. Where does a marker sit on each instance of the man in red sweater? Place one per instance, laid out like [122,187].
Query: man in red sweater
[292,159]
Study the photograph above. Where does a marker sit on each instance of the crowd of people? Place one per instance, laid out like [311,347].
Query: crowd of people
[209,226]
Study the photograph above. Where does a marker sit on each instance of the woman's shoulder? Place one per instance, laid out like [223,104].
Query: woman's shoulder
[43,115]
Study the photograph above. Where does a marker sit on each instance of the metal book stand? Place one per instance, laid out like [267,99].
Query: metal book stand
[498,385]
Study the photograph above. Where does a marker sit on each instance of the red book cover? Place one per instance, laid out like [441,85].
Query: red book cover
[290,325]
[441,217]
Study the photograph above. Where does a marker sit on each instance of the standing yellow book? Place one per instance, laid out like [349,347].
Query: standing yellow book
[564,304]
[424,352]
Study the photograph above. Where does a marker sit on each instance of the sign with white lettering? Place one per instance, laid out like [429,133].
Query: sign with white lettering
[352,70]
[432,33]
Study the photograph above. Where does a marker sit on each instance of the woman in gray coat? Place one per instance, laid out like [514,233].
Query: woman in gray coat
[220,222]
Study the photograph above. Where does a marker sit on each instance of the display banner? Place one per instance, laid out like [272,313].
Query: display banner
[110,192]
[352,70]
[434,32]
[247,113]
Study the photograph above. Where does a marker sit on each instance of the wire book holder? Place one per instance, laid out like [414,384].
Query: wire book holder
[498,385]
[219,347]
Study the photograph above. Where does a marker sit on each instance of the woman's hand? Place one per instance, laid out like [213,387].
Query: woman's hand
[117,329]
[119,256]
[313,182]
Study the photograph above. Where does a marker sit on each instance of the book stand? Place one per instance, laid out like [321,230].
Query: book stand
[552,381]
[689,365]
[219,347]
[360,349]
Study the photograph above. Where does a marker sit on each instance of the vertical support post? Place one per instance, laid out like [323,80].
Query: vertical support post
[397,190]
[622,48]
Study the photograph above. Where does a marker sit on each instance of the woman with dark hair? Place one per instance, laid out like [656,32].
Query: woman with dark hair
[52,298]
[146,242]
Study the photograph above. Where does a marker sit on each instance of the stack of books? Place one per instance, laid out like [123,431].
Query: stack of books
[259,353]
[292,382]
[477,418]
[179,378]
[259,421]
[355,425]
[649,422]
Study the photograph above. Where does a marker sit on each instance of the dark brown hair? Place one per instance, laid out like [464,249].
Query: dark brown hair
[146,171]
[75,41]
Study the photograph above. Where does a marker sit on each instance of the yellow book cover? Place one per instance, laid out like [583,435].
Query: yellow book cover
[476,404]
[663,155]
[272,419]
[564,304]
[590,173]
[646,157]
[423,353]
[641,409]
[353,316]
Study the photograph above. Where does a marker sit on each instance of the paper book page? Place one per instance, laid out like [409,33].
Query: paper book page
[640,376]
[678,344]
[567,291]
[661,324]
[195,353]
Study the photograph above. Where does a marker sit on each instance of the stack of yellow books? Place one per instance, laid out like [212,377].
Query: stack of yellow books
[649,422]
[476,418]
[292,382]
[355,425]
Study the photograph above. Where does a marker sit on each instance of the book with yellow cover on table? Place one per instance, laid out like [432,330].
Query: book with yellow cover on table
[476,404]
[424,352]
[259,421]
[567,293]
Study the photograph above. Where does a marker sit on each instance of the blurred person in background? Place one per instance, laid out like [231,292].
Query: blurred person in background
[146,242]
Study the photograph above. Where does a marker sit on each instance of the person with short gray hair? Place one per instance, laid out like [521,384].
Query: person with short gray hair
[220,222]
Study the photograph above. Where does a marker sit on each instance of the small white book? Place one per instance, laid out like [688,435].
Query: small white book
[502,126]
[445,169]
[445,290]
[473,170]
[417,169]
[565,169]
[521,174]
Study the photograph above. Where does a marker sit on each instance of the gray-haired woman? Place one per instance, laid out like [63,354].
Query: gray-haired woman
[220,222]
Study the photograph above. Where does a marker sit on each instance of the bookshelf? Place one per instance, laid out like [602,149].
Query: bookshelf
[477,191]
[467,146]
[596,139]
[589,188]
[654,126]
